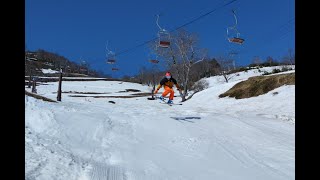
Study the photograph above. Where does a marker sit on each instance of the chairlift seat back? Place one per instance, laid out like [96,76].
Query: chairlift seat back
[236,40]
[164,44]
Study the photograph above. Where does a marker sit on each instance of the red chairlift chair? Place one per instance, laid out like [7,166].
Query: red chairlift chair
[236,40]
[154,61]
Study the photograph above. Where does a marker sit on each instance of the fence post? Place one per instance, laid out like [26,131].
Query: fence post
[29,83]
[59,88]
[34,84]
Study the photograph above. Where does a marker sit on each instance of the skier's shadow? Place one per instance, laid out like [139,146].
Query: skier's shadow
[185,118]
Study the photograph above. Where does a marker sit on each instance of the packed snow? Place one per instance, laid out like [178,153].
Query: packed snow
[49,71]
[88,138]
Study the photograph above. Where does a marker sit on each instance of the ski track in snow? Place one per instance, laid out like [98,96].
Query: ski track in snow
[98,171]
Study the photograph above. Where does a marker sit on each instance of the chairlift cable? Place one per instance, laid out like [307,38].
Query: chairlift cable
[188,23]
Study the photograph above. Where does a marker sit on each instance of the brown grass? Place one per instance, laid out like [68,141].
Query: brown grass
[259,85]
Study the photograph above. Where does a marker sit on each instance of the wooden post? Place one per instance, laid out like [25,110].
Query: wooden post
[29,84]
[34,84]
[59,88]
[154,85]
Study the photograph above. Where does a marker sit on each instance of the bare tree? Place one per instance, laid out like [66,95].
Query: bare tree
[31,66]
[147,76]
[180,56]
[291,56]
[200,70]
[256,61]
[270,60]
[225,68]
[141,75]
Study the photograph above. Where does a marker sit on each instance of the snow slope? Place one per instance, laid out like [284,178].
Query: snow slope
[87,138]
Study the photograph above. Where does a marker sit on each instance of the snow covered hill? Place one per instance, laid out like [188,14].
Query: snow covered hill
[87,138]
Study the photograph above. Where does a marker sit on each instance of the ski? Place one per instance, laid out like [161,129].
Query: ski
[163,101]
[170,104]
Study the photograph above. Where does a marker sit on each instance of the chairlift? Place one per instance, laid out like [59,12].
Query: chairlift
[154,61]
[111,57]
[114,69]
[111,61]
[235,39]
[164,39]
[153,58]
[163,35]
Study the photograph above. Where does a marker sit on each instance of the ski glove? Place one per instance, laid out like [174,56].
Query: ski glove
[156,91]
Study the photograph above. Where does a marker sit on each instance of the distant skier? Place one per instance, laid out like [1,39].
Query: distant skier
[168,81]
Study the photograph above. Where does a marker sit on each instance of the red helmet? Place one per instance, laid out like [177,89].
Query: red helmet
[168,75]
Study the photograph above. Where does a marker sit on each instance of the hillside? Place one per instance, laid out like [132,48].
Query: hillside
[256,86]
[107,137]
[43,63]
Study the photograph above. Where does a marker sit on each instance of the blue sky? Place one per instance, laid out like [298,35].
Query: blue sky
[81,29]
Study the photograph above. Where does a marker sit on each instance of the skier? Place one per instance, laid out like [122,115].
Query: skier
[168,81]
